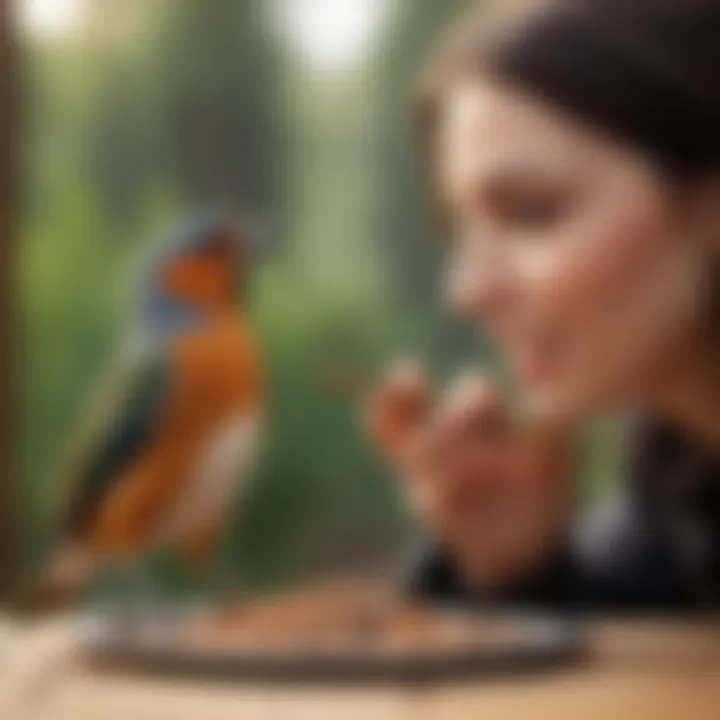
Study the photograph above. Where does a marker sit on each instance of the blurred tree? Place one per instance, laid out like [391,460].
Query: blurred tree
[186,98]
[404,226]
[214,82]
[9,199]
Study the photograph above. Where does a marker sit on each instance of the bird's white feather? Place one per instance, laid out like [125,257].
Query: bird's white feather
[223,465]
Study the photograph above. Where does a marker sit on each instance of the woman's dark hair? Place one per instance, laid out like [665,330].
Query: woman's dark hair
[646,71]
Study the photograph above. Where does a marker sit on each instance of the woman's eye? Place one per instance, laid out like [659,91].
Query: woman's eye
[532,213]
[527,210]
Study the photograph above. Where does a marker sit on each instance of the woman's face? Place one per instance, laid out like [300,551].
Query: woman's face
[565,246]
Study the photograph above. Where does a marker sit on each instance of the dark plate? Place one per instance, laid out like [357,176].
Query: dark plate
[155,646]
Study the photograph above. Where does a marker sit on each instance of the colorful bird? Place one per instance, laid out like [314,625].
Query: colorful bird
[176,426]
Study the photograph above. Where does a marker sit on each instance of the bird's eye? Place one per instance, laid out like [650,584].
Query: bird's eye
[213,249]
[220,245]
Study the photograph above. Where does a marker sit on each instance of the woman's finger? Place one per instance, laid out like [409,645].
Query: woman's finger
[399,407]
[471,415]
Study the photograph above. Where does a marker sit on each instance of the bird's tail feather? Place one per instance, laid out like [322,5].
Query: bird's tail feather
[58,583]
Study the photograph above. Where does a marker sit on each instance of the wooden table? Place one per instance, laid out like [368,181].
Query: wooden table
[657,671]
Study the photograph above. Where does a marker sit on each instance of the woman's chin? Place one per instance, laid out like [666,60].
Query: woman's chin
[559,405]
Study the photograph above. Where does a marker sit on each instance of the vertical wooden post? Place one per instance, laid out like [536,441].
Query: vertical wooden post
[9,299]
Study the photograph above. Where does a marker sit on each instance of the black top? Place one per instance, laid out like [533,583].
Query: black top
[655,546]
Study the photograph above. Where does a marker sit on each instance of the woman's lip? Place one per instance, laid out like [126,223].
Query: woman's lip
[532,360]
[536,366]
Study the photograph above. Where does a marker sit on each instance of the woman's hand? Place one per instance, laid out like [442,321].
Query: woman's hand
[493,493]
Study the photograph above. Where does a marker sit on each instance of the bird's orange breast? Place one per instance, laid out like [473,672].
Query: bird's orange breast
[216,373]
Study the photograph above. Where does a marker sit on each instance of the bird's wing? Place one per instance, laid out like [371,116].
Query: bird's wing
[118,425]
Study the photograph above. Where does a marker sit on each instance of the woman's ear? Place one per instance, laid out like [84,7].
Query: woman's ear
[703,228]
[704,213]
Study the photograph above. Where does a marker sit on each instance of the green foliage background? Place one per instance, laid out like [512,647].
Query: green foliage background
[159,106]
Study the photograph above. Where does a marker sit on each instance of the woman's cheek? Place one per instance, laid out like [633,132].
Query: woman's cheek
[600,294]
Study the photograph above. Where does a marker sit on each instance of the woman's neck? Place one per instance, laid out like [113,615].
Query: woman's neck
[687,393]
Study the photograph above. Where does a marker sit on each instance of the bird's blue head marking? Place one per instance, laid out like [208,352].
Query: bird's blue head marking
[212,237]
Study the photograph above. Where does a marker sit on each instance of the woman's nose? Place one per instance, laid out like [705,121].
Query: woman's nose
[476,284]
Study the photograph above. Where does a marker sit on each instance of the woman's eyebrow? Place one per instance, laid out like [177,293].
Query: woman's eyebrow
[498,172]
[502,171]
[519,173]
